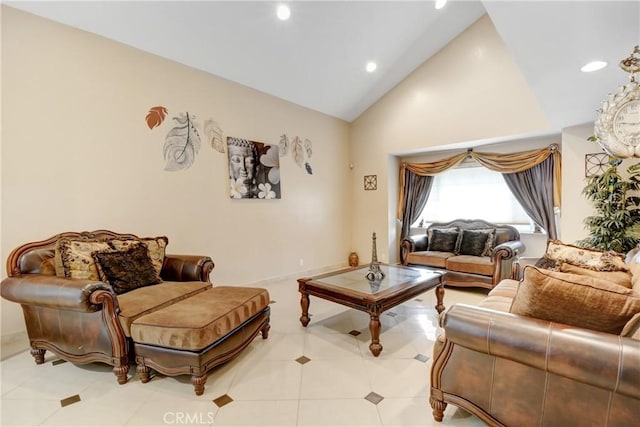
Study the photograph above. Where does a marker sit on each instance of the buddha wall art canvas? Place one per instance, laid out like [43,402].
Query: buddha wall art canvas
[254,169]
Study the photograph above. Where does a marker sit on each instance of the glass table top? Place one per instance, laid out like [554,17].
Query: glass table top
[356,279]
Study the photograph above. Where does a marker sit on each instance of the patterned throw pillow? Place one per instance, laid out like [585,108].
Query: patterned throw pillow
[155,245]
[574,299]
[73,258]
[474,242]
[126,270]
[443,241]
[584,257]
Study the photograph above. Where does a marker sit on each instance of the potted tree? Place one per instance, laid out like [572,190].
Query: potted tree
[615,226]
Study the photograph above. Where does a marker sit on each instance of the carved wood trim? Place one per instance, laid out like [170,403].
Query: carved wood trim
[13,261]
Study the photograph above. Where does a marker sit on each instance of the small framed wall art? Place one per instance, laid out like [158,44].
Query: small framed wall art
[595,164]
[370,182]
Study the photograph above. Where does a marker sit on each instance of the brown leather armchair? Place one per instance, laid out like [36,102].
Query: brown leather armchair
[79,319]
[512,370]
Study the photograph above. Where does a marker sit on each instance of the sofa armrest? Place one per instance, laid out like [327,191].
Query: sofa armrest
[520,263]
[412,244]
[599,359]
[186,268]
[508,250]
[56,292]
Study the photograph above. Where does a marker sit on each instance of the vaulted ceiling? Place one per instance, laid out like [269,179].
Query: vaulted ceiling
[317,57]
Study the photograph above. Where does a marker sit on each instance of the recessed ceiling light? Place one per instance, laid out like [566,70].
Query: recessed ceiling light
[440,3]
[283,12]
[593,66]
[371,67]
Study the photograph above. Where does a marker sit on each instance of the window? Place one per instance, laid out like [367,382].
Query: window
[473,192]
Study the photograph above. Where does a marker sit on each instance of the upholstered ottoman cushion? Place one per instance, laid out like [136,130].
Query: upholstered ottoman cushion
[142,301]
[197,322]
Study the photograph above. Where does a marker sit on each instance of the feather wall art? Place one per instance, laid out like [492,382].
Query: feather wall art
[182,142]
[300,149]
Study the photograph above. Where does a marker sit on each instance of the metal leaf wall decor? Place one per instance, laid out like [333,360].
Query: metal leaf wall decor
[284,145]
[299,151]
[214,133]
[155,116]
[182,142]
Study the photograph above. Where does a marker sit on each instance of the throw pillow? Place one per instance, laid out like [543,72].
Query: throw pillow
[584,257]
[547,264]
[126,270]
[73,258]
[574,299]
[491,241]
[473,242]
[621,278]
[155,245]
[430,231]
[632,328]
[443,241]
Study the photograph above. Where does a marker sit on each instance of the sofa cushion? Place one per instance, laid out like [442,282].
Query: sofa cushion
[622,278]
[443,241]
[470,264]
[148,299]
[73,258]
[126,270]
[584,257]
[497,302]
[429,258]
[474,242]
[155,245]
[197,322]
[575,299]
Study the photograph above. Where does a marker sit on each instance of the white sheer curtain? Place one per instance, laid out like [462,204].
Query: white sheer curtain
[473,193]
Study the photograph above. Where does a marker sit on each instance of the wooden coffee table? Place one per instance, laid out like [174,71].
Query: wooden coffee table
[350,287]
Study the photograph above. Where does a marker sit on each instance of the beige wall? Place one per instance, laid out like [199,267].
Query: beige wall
[77,155]
[469,91]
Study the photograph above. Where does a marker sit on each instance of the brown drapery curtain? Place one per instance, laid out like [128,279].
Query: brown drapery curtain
[503,163]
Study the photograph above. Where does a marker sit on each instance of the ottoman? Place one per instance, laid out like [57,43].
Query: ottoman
[196,334]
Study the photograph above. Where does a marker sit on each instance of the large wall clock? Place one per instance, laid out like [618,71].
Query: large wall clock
[617,125]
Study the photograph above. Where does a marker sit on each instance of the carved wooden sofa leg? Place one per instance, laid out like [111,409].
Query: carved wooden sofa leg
[198,382]
[143,373]
[121,373]
[38,355]
[438,407]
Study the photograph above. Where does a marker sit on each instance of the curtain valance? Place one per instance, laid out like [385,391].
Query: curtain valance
[499,162]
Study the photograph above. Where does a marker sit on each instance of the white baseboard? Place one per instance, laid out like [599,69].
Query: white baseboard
[298,275]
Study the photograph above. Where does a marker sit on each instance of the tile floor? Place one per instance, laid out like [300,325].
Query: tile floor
[322,375]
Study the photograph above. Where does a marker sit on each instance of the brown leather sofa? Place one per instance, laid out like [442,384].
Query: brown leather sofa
[513,370]
[84,321]
[466,270]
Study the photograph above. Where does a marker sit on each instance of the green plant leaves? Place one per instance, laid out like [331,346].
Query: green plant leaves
[616,201]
